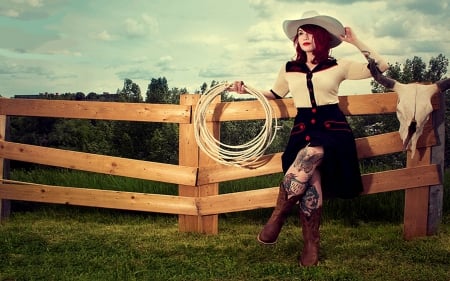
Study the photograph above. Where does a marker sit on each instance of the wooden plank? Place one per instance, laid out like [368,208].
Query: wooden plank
[5,205]
[100,198]
[399,179]
[238,201]
[188,155]
[170,113]
[191,155]
[268,164]
[368,104]
[415,218]
[209,223]
[99,163]
[378,145]
[407,178]
[388,143]
[416,212]
[284,108]
[249,110]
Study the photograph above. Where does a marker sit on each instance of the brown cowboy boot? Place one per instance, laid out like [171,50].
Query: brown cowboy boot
[270,231]
[311,237]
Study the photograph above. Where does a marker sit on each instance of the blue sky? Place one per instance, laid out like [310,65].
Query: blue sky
[92,46]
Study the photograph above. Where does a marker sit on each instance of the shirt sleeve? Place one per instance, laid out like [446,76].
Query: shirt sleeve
[355,70]
[358,70]
[281,86]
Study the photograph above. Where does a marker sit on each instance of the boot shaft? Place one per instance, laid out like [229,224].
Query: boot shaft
[311,237]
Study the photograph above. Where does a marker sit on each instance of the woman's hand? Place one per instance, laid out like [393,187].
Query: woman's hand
[350,36]
[238,87]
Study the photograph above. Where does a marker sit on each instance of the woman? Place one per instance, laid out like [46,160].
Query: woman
[320,160]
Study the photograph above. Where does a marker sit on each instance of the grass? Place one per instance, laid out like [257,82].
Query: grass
[56,242]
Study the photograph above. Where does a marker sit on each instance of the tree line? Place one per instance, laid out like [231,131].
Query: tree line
[158,142]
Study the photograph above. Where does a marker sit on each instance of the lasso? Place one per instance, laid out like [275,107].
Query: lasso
[240,155]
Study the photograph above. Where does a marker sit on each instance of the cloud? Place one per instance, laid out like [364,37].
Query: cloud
[135,74]
[94,45]
[216,72]
[16,70]
[165,63]
[264,32]
[103,36]
[142,26]
[30,9]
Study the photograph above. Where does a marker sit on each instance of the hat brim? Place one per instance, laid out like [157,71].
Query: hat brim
[330,24]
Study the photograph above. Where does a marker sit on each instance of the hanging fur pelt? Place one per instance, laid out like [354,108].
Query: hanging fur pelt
[414,104]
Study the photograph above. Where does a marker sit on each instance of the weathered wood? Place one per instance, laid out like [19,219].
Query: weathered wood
[210,223]
[171,113]
[407,178]
[188,155]
[269,164]
[99,163]
[388,143]
[191,155]
[368,104]
[5,205]
[100,198]
[238,201]
[436,194]
[415,218]
[198,175]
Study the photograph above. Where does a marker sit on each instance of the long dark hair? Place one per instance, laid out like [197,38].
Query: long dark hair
[322,39]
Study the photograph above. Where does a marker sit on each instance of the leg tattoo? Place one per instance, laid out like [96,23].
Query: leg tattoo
[307,159]
[309,201]
[293,185]
[301,171]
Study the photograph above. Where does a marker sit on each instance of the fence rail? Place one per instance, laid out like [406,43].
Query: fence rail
[198,202]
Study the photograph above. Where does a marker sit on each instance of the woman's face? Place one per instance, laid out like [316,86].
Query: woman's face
[306,40]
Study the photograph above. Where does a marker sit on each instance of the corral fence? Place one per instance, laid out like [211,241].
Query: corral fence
[199,203]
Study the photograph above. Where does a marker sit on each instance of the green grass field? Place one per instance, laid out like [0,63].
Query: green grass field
[361,240]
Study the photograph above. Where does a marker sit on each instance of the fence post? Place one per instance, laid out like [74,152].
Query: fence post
[436,195]
[191,155]
[5,205]
[423,205]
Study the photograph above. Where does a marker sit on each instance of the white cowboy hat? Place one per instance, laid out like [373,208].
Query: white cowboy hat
[330,24]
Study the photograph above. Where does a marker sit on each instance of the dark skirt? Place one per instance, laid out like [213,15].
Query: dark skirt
[327,126]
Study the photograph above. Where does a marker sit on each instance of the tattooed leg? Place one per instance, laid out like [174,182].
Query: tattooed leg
[300,173]
[312,199]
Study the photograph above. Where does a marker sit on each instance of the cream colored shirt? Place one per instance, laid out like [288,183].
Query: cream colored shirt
[325,82]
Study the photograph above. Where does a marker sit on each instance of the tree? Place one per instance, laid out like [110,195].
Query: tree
[437,68]
[130,92]
[157,91]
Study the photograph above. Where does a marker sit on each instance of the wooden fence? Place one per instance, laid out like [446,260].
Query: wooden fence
[199,203]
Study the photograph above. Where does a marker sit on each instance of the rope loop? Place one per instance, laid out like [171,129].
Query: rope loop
[237,155]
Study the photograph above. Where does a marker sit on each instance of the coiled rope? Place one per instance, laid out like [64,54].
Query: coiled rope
[239,155]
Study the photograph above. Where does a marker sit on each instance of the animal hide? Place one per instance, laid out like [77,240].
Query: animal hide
[414,104]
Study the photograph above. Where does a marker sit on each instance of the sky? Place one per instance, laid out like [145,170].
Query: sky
[61,46]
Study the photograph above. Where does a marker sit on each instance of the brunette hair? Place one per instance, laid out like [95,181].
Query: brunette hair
[322,39]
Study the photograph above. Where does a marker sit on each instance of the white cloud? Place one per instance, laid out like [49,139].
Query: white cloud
[93,45]
[142,26]
[103,35]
